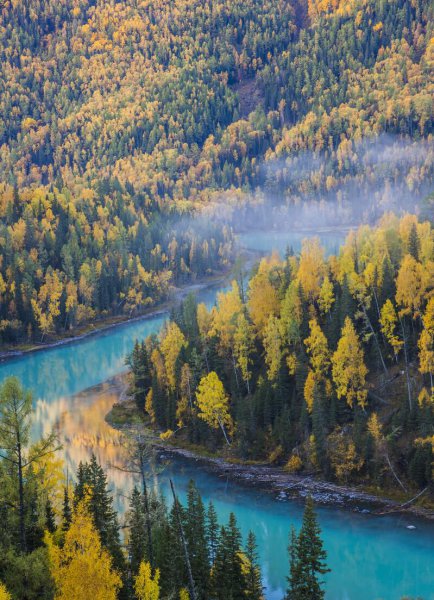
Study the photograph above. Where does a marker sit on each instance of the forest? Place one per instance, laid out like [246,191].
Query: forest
[321,365]
[119,118]
[138,139]
[63,540]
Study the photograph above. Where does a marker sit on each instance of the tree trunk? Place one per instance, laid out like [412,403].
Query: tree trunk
[147,514]
[368,320]
[21,495]
[407,375]
[184,545]
[222,427]
[235,371]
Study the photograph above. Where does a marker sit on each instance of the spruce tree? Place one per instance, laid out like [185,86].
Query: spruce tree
[307,559]
[212,532]
[91,476]
[66,510]
[195,531]
[254,589]
[50,521]
[170,558]
[137,543]
[228,579]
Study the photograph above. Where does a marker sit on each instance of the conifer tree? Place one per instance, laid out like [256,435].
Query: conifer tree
[307,559]
[66,510]
[212,532]
[254,590]
[195,531]
[228,580]
[50,521]
[137,546]
[91,476]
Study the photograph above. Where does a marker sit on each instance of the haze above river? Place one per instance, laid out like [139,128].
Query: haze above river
[370,557]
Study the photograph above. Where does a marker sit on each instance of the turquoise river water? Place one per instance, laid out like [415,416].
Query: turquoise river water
[74,386]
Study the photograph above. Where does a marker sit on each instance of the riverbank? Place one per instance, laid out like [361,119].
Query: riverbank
[110,322]
[270,479]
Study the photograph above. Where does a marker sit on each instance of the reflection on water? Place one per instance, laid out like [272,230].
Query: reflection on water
[395,561]
[79,422]
[370,558]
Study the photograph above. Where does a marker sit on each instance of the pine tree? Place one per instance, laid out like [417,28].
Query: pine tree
[228,581]
[307,559]
[50,521]
[195,531]
[91,476]
[66,510]
[212,532]
[254,589]
[137,543]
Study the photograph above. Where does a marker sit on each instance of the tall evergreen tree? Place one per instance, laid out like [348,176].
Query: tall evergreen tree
[212,532]
[66,510]
[307,559]
[228,580]
[91,475]
[137,543]
[254,589]
[195,531]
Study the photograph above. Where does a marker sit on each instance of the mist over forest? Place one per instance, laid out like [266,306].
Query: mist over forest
[153,155]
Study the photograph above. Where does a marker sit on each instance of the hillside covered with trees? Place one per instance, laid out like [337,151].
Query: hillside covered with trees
[116,118]
[322,365]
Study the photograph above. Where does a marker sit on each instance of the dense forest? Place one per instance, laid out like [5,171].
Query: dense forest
[116,118]
[62,540]
[137,138]
[322,365]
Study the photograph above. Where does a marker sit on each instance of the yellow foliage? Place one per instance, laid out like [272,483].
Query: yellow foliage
[172,341]
[343,455]
[424,398]
[275,454]
[317,349]
[146,586]
[82,569]
[374,427]
[273,347]
[213,403]
[309,389]
[263,299]
[411,285]
[294,464]
[4,594]
[312,268]
[349,369]
[388,322]
[291,361]
[166,435]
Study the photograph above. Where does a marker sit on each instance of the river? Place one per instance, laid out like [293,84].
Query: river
[75,385]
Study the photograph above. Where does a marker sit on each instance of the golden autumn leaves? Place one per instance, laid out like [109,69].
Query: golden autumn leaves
[313,318]
[82,568]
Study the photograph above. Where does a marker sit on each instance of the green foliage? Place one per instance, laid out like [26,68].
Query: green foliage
[307,559]
[117,120]
[311,372]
